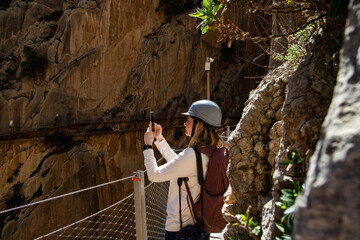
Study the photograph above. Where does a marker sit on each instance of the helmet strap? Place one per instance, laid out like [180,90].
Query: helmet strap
[193,127]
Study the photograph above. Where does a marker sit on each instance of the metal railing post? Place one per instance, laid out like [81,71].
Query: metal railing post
[140,207]
[207,69]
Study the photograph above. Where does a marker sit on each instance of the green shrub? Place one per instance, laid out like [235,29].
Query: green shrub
[296,50]
[248,228]
[207,13]
[288,197]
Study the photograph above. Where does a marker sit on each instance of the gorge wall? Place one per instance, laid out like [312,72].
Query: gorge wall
[114,61]
[330,200]
[293,118]
[101,61]
[106,60]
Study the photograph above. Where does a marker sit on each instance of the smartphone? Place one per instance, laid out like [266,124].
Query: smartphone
[152,120]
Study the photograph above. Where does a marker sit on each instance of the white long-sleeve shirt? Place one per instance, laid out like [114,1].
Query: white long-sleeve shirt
[178,165]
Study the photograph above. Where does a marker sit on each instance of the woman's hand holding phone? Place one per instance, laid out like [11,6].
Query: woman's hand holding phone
[150,135]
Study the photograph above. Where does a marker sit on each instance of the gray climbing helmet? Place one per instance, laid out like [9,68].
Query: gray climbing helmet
[206,110]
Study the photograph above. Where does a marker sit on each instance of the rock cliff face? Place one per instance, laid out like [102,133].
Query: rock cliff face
[109,60]
[251,164]
[330,200]
[99,61]
[116,60]
[275,121]
[34,170]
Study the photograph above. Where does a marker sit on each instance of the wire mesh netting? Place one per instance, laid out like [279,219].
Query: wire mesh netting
[114,222]
[118,220]
[156,199]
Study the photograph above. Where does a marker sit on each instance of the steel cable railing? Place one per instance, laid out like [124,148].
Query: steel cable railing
[118,220]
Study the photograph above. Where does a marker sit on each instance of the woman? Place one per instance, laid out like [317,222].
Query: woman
[203,117]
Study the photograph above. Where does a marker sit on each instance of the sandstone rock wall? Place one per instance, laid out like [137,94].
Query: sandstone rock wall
[308,98]
[87,46]
[329,206]
[274,121]
[106,60]
[252,164]
[100,61]
[43,172]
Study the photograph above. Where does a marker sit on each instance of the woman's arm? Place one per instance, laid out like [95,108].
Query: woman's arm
[182,165]
[166,151]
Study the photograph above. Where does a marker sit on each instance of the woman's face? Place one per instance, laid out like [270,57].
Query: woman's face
[188,126]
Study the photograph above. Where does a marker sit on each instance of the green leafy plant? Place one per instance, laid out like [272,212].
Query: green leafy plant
[245,220]
[229,32]
[296,50]
[247,224]
[207,13]
[287,202]
[294,159]
[288,198]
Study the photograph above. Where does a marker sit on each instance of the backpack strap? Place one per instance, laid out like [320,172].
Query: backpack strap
[179,182]
[200,181]
[190,200]
[199,165]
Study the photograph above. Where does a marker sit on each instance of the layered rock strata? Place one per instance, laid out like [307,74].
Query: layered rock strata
[110,60]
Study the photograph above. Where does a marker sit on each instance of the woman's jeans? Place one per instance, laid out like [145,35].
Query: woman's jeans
[172,236]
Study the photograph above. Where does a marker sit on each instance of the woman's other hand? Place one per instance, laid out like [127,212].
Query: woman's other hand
[158,132]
